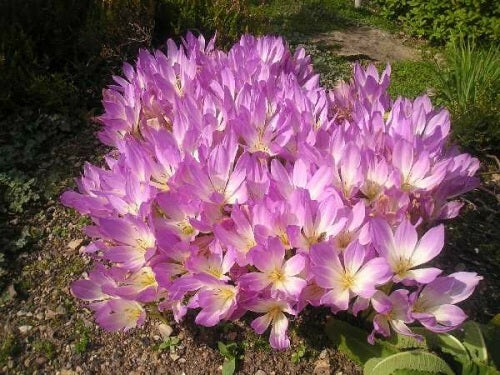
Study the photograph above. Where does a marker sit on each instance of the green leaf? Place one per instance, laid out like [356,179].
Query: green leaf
[410,360]
[491,334]
[474,342]
[222,349]
[352,341]
[229,367]
[444,342]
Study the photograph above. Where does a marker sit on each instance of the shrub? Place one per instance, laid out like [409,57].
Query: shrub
[469,84]
[439,21]
[237,184]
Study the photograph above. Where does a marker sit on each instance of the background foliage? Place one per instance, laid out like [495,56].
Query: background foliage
[55,57]
[440,21]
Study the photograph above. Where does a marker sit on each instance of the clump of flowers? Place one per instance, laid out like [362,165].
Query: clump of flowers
[237,184]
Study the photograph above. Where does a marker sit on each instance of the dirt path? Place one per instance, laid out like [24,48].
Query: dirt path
[368,43]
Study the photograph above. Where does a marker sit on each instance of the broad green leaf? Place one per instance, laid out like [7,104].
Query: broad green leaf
[229,367]
[352,341]
[444,342]
[474,342]
[477,368]
[411,360]
[491,334]
[400,342]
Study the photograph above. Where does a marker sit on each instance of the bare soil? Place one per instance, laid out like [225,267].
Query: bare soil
[368,43]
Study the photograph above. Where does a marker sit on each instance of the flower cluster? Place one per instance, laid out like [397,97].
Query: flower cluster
[238,184]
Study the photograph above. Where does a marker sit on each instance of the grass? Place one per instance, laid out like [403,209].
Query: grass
[412,78]
[469,85]
[46,348]
[83,336]
[9,347]
[291,18]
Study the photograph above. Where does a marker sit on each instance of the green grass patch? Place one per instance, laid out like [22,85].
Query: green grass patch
[46,348]
[412,78]
[291,17]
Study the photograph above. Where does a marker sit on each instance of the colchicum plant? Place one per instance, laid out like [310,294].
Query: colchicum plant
[237,184]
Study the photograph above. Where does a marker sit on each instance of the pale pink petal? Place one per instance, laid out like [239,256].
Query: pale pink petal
[354,255]
[254,281]
[429,246]
[294,285]
[375,272]
[337,299]
[261,323]
[422,275]
[294,265]
[278,338]
[405,239]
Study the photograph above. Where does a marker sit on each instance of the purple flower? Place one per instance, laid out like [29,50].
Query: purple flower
[236,183]
[275,272]
[274,315]
[434,307]
[353,276]
[404,251]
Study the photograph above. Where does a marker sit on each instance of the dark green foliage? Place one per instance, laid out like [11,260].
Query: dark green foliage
[440,21]
[469,86]
[227,18]
[469,351]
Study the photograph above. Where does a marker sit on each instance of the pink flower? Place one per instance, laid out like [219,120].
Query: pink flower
[434,306]
[275,272]
[392,311]
[353,276]
[273,315]
[404,251]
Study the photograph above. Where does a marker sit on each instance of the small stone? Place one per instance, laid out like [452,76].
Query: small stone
[182,360]
[60,310]
[27,362]
[25,329]
[11,291]
[322,367]
[174,357]
[323,354]
[260,372]
[75,244]
[40,361]
[165,330]
[49,314]
[39,316]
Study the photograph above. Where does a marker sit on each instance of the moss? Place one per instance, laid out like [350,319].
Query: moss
[9,347]
[45,347]
[82,338]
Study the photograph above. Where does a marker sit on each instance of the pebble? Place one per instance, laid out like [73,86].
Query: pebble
[165,330]
[61,310]
[182,360]
[260,372]
[321,367]
[174,357]
[11,291]
[40,361]
[75,244]
[25,329]
[323,354]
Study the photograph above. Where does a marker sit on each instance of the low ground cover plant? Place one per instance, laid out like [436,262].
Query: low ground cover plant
[238,185]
